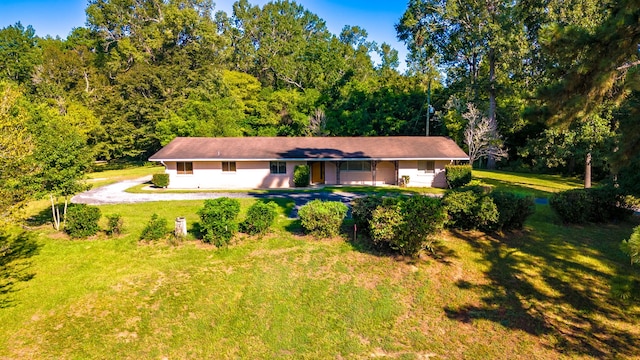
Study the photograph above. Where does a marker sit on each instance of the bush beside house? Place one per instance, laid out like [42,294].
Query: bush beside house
[160,180]
[301,175]
[457,175]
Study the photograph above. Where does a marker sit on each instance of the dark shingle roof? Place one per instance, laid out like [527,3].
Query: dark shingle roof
[303,148]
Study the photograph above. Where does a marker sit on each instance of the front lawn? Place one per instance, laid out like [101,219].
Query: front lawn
[542,293]
[538,185]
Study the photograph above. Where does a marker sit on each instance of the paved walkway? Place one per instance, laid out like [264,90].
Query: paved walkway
[116,194]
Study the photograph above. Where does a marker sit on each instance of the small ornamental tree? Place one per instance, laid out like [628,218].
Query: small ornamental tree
[218,220]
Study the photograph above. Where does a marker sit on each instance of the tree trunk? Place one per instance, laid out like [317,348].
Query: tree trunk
[587,171]
[55,214]
[491,160]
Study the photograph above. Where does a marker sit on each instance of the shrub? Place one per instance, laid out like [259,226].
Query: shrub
[218,220]
[322,218]
[457,175]
[384,225]
[114,224]
[422,217]
[607,203]
[632,246]
[82,220]
[470,209]
[160,180]
[362,211]
[513,209]
[301,175]
[578,206]
[572,206]
[155,229]
[260,217]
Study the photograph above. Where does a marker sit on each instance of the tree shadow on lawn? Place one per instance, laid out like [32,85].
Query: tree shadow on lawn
[536,286]
[43,217]
[521,188]
[15,251]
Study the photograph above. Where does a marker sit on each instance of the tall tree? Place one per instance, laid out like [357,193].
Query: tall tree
[16,150]
[19,53]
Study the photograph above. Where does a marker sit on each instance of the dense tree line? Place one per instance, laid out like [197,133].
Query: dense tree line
[556,80]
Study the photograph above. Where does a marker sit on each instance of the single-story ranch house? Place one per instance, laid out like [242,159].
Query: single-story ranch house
[269,162]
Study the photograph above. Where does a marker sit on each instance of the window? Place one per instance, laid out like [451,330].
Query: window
[427,166]
[355,166]
[278,167]
[185,168]
[228,166]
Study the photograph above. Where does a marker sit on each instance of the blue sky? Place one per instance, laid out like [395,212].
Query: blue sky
[58,17]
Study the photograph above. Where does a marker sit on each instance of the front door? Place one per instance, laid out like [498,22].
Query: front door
[317,172]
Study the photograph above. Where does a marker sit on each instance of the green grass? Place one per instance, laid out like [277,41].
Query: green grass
[105,177]
[357,189]
[544,291]
[539,185]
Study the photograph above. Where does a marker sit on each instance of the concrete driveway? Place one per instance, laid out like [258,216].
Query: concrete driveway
[115,194]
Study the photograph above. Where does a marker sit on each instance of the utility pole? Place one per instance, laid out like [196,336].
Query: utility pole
[428,105]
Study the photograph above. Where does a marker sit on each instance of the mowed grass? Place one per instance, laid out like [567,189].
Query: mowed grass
[538,185]
[100,177]
[544,292]
[147,188]
[540,293]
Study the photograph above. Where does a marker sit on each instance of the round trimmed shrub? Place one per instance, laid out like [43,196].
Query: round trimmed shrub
[218,220]
[457,175]
[82,220]
[322,218]
[260,217]
[301,176]
[160,180]
[470,209]
[362,211]
[513,209]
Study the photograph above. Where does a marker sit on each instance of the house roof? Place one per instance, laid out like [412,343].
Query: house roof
[310,148]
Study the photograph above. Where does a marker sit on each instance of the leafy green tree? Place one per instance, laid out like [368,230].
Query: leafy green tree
[63,157]
[19,53]
[16,149]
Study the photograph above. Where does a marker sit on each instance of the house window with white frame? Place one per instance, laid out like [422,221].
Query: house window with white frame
[278,167]
[184,167]
[228,166]
[355,166]
[427,166]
